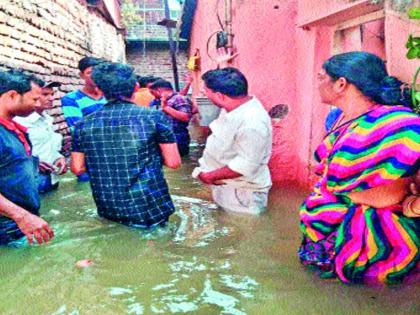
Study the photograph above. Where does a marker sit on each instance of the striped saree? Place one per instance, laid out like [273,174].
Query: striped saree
[356,242]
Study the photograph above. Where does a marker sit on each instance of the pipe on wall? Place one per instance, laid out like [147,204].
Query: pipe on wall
[228,23]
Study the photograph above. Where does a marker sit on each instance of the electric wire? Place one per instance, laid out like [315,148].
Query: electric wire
[218,16]
[212,35]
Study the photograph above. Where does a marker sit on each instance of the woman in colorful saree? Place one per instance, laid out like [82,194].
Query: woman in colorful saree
[352,223]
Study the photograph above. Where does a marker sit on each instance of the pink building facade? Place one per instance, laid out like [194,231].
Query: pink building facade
[282,45]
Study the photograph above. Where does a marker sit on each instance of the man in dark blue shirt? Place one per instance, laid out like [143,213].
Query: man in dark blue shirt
[122,147]
[19,199]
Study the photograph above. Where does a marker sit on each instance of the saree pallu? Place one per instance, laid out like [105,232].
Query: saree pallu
[356,242]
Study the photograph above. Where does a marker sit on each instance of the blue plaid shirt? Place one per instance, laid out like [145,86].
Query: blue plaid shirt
[123,159]
[18,181]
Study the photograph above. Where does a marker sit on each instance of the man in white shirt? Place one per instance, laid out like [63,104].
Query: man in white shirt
[46,143]
[234,162]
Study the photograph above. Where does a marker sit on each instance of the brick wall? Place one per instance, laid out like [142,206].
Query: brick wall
[148,28]
[156,60]
[48,37]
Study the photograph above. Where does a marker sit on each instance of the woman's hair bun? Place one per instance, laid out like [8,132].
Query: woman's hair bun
[390,92]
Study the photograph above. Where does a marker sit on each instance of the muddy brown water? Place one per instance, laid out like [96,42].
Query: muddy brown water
[205,262]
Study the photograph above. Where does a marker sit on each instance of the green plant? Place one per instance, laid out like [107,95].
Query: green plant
[415,94]
[413,46]
[130,13]
[414,13]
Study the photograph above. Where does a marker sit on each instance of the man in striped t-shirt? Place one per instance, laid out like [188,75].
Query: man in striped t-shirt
[80,103]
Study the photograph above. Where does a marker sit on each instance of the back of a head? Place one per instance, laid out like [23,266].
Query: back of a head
[115,80]
[36,80]
[87,62]
[144,81]
[18,81]
[162,84]
[368,73]
[228,81]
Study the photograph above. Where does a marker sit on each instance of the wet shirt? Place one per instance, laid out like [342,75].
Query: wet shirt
[76,105]
[122,155]
[182,104]
[242,140]
[18,176]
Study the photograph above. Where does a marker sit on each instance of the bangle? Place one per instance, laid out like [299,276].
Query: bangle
[408,209]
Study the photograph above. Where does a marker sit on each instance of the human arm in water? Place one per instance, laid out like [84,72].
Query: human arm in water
[31,225]
[77,163]
[217,176]
[170,155]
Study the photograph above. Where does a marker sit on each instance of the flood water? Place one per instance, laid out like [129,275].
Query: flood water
[205,262]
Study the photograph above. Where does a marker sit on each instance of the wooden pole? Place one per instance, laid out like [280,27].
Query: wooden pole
[172,47]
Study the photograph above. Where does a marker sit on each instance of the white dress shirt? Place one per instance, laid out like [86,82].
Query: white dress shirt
[242,140]
[46,143]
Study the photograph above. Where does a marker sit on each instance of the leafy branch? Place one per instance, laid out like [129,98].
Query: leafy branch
[130,13]
[413,46]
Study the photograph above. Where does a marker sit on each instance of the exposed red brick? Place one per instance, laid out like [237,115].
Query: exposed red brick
[49,37]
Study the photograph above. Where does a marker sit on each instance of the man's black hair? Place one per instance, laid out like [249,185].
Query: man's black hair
[36,80]
[228,81]
[161,84]
[18,81]
[115,80]
[87,62]
[144,81]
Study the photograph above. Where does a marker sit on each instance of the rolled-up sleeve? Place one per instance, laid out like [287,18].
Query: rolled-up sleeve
[253,148]
[164,129]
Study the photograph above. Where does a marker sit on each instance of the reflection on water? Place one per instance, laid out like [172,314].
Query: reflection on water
[205,262]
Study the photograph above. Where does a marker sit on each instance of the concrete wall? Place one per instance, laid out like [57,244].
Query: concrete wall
[49,37]
[385,37]
[282,45]
[265,39]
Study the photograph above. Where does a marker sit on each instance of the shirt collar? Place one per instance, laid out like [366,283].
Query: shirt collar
[12,125]
[18,130]
[237,111]
[34,117]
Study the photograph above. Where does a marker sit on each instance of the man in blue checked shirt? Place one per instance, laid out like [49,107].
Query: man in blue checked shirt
[123,147]
[80,103]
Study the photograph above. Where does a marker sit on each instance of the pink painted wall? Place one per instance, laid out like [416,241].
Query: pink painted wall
[265,39]
[281,57]
[373,35]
